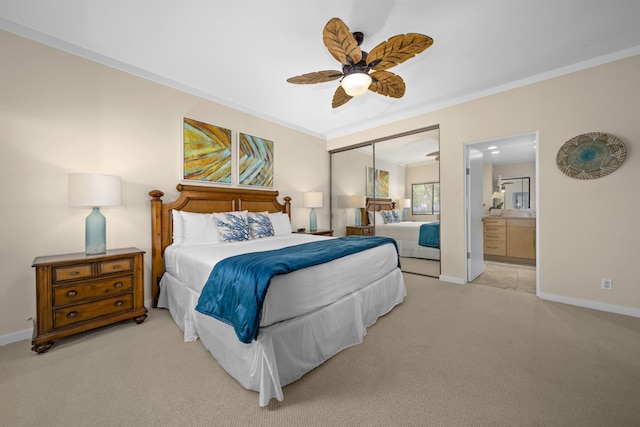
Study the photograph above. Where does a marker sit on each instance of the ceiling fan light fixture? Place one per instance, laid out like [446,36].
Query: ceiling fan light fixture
[356,84]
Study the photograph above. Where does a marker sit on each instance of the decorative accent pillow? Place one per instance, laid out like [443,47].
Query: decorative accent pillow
[190,228]
[281,224]
[386,215]
[260,225]
[395,214]
[232,226]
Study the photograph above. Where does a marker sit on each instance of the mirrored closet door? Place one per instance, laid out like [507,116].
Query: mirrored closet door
[390,187]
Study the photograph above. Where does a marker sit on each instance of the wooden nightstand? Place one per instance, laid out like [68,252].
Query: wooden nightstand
[317,232]
[361,230]
[78,292]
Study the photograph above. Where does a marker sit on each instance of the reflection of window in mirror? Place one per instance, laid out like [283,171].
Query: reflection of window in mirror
[515,192]
[425,198]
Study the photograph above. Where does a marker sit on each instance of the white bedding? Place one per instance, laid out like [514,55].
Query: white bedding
[292,294]
[406,234]
[308,316]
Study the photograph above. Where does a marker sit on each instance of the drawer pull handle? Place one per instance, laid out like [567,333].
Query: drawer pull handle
[119,303]
[72,293]
[72,314]
[74,273]
[116,266]
[117,285]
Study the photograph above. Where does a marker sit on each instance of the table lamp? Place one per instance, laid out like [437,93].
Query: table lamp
[312,199]
[358,202]
[94,191]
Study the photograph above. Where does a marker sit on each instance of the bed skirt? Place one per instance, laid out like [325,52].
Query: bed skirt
[285,351]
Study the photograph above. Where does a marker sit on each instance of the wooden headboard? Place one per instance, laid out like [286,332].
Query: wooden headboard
[376,204]
[201,199]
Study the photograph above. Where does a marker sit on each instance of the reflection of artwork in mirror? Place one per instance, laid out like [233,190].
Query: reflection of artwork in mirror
[515,192]
[377,182]
[425,198]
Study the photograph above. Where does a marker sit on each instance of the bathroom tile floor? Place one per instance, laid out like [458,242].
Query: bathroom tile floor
[515,277]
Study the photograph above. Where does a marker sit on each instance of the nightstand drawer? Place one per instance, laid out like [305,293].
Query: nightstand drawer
[63,295]
[74,272]
[115,266]
[494,229]
[80,313]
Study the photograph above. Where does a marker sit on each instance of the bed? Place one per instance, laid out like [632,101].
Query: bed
[302,324]
[418,242]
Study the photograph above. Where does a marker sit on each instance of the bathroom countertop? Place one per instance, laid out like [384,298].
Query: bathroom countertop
[513,213]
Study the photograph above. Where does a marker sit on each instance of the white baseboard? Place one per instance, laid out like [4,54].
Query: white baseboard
[451,279]
[27,334]
[611,308]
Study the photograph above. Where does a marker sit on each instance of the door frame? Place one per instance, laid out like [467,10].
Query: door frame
[537,205]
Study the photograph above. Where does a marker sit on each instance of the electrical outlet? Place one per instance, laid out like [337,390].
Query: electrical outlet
[607,284]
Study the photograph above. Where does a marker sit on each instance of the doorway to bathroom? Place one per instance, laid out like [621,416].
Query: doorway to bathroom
[501,212]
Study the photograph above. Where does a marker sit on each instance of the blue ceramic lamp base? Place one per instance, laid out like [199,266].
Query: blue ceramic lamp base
[95,235]
[313,220]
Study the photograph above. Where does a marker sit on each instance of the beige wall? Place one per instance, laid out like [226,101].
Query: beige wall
[589,229]
[61,114]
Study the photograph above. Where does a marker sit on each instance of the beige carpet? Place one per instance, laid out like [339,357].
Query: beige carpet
[450,355]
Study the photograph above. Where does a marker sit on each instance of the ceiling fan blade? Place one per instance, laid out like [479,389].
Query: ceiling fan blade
[435,154]
[396,50]
[340,97]
[341,43]
[315,77]
[387,83]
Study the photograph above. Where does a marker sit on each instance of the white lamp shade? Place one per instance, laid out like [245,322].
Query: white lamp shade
[356,84]
[404,203]
[86,189]
[312,199]
[357,201]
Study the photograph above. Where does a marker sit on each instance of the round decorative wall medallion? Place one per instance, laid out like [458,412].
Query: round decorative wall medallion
[591,155]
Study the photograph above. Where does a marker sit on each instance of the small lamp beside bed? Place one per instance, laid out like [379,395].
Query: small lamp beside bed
[405,204]
[94,191]
[312,199]
[357,203]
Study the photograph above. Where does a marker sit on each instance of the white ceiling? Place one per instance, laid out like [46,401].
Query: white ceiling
[240,53]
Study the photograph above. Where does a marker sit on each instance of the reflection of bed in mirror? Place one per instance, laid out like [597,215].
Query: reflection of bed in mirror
[418,242]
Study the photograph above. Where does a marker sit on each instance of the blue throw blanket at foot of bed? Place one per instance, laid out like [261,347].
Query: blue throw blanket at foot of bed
[237,285]
[430,235]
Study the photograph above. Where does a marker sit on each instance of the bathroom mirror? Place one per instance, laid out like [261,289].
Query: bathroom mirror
[515,192]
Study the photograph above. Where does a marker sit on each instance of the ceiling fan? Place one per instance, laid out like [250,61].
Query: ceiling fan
[357,65]
[435,154]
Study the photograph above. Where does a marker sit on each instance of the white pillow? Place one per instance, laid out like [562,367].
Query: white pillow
[260,225]
[178,227]
[281,223]
[232,226]
[371,215]
[190,228]
[379,218]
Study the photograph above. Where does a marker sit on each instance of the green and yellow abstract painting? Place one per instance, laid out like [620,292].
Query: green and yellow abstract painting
[207,152]
[377,182]
[255,161]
